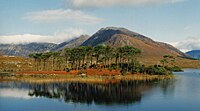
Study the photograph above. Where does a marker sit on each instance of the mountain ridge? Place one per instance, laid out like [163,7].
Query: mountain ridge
[113,36]
[72,43]
[194,53]
[109,31]
[110,34]
[24,49]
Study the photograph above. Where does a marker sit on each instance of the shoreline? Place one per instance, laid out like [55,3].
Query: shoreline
[101,79]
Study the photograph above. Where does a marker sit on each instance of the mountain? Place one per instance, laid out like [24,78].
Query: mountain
[112,36]
[25,49]
[152,51]
[194,53]
[116,37]
[72,43]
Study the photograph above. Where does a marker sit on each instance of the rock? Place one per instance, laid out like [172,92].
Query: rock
[83,75]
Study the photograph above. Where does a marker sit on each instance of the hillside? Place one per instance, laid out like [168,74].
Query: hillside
[152,51]
[194,53]
[14,63]
[25,49]
[112,36]
[72,43]
[120,37]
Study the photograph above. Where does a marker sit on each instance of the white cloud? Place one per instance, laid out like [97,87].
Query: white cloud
[15,93]
[107,3]
[188,44]
[61,15]
[57,37]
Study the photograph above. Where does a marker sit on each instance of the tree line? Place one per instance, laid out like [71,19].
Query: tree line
[84,57]
[100,57]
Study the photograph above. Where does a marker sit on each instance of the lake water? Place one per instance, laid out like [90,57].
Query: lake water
[181,94]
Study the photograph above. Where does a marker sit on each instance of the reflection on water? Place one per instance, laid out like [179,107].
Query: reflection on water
[118,93]
[181,94]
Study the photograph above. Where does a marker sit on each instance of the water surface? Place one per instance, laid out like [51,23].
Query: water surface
[181,94]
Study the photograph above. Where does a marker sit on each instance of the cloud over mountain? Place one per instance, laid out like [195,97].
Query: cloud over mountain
[192,43]
[107,3]
[61,15]
[57,37]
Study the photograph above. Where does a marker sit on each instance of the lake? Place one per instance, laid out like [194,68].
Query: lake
[179,94]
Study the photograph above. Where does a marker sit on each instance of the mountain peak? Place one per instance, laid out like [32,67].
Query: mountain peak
[105,34]
[118,36]
[113,28]
[120,30]
[113,36]
[72,43]
[194,53]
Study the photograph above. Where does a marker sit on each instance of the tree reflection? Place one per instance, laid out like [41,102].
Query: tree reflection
[118,93]
[124,92]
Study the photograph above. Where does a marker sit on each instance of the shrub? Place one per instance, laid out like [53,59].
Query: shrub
[157,70]
[67,69]
[113,66]
[123,71]
[174,69]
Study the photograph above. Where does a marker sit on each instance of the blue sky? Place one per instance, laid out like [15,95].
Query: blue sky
[173,21]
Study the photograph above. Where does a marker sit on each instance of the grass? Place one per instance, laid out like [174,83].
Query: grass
[93,75]
[90,78]
[10,63]
[180,61]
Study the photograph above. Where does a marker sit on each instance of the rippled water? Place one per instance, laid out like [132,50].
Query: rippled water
[181,94]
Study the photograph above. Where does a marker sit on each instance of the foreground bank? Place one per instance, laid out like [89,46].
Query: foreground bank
[103,77]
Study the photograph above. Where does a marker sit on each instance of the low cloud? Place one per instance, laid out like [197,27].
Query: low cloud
[57,37]
[61,15]
[188,44]
[108,3]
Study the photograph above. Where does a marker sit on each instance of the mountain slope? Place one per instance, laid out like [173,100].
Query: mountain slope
[25,49]
[120,37]
[72,43]
[105,34]
[194,54]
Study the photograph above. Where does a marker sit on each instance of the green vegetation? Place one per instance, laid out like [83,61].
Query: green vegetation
[168,62]
[100,57]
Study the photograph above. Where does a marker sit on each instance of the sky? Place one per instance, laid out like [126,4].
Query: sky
[172,21]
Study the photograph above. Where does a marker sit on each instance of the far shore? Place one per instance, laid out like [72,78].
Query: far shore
[102,77]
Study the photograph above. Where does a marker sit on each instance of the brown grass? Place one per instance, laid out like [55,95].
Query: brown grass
[104,72]
[11,63]
[89,79]
[181,62]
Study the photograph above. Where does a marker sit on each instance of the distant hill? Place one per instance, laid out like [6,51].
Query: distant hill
[72,43]
[116,37]
[152,51]
[194,53]
[112,36]
[25,49]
